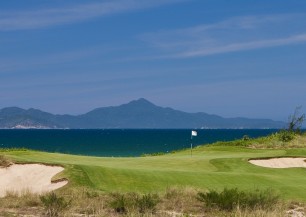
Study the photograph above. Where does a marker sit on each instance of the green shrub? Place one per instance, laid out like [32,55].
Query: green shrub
[119,203]
[153,154]
[262,199]
[53,204]
[246,138]
[124,203]
[229,199]
[285,136]
[147,203]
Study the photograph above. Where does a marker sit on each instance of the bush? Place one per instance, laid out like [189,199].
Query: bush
[262,199]
[54,204]
[4,162]
[285,136]
[123,203]
[246,138]
[153,154]
[147,203]
[229,199]
[119,203]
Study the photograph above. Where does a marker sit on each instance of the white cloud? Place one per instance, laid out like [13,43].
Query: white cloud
[244,46]
[18,20]
[231,35]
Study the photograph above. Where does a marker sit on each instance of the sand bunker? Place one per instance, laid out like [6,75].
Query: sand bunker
[280,162]
[35,178]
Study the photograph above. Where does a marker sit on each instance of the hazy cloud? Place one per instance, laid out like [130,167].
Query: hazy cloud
[244,46]
[231,35]
[32,19]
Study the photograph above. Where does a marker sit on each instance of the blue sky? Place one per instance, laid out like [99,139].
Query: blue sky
[232,58]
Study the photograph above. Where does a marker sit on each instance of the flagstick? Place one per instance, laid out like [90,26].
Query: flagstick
[193,133]
[191,147]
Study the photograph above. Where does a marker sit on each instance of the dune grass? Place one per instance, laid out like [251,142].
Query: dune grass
[210,167]
[4,162]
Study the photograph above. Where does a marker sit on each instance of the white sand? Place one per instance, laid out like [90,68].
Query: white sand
[280,162]
[35,178]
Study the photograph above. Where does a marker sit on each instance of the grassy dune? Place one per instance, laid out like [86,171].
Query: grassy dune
[211,167]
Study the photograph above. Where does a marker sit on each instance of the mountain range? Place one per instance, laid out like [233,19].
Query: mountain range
[137,114]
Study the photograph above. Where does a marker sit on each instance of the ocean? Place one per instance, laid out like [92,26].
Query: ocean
[124,143]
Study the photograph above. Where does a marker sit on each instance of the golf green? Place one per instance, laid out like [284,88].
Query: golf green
[209,167]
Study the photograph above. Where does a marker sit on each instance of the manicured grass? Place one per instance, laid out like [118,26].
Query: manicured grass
[210,167]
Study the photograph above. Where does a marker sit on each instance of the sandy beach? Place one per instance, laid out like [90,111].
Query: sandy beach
[35,178]
[280,162]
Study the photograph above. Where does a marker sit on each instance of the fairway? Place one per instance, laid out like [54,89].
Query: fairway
[210,167]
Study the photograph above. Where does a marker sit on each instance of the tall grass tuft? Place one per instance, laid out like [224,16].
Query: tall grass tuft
[5,162]
[54,204]
[134,203]
[230,199]
[180,200]
[119,203]
[88,202]
[147,203]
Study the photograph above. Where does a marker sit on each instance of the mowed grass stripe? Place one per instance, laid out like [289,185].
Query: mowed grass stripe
[213,167]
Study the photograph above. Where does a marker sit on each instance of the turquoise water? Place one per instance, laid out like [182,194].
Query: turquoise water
[116,142]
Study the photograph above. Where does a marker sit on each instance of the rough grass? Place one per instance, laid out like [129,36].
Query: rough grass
[14,204]
[224,164]
[279,140]
[181,200]
[5,162]
[173,202]
[278,211]
[230,199]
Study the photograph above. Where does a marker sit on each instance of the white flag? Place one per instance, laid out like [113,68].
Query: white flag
[194,133]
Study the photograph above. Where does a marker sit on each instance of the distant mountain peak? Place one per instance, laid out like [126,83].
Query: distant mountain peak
[141,102]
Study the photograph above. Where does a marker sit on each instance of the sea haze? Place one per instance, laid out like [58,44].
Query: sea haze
[116,143]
